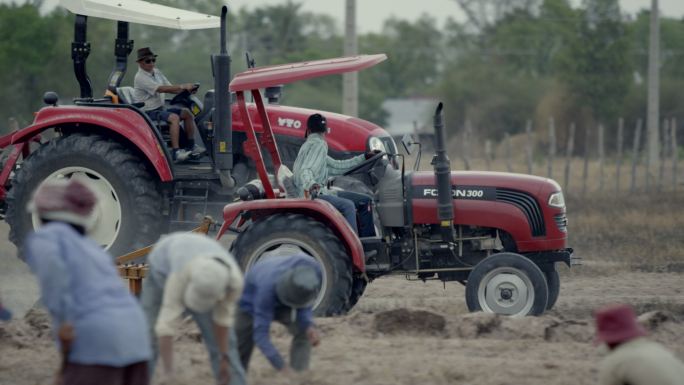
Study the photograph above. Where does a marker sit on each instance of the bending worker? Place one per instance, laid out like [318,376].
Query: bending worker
[279,288]
[633,359]
[100,328]
[312,168]
[191,273]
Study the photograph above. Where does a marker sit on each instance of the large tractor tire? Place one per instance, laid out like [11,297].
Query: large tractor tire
[128,213]
[313,238]
[508,284]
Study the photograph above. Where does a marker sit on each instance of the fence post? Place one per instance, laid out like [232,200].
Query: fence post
[585,171]
[663,154]
[675,152]
[529,148]
[600,155]
[488,154]
[568,155]
[619,154]
[13,125]
[507,144]
[465,150]
[635,154]
[552,147]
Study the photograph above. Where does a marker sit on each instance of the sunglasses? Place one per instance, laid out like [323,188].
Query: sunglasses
[148,61]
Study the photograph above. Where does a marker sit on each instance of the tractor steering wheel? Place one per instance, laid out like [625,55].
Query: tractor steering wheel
[183,96]
[366,164]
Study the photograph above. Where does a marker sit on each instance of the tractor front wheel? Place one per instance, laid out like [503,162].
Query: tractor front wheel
[128,212]
[508,284]
[312,237]
[553,282]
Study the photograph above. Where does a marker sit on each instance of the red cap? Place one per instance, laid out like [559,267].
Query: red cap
[616,324]
[64,200]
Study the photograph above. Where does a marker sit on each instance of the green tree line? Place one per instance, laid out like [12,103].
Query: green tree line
[584,63]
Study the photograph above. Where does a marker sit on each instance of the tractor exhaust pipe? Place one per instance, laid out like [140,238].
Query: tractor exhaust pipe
[223,132]
[442,166]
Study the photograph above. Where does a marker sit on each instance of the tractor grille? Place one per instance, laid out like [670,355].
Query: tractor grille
[561,222]
[529,207]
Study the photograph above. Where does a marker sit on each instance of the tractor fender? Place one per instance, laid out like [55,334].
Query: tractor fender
[126,122]
[235,215]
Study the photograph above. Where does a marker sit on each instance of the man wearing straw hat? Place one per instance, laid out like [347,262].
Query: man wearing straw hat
[193,274]
[633,359]
[282,287]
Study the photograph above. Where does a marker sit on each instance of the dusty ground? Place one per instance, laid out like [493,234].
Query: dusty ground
[420,333]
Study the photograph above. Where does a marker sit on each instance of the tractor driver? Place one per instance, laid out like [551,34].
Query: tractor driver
[312,168]
[150,83]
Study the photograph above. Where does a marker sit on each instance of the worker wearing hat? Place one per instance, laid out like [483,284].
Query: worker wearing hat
[150,85]
[282,286]
[99,326]
[191,273]
[633,359]
[313,166]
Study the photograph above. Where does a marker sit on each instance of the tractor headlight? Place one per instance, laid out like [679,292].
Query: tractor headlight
[374,143]
[556,200]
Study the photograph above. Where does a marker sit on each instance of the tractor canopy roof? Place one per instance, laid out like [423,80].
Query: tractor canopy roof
[142,12]
[268,76]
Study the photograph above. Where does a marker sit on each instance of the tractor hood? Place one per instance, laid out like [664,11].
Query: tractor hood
[347,134]
[467,182]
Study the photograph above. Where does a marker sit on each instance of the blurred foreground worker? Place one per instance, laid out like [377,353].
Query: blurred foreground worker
[5,314]
[633,359]
[193,274]
[100,327]
[279,288]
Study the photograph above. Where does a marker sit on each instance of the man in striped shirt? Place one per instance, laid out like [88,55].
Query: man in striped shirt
[312,168]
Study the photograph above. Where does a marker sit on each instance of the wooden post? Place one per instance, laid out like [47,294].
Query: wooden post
[619,154]
[674,151]
[600,155]
[465,149]
[530,145]
[488,154]
[507,144]
[663,154]
[552,148]
[568,155]
[635,155]
[585,171]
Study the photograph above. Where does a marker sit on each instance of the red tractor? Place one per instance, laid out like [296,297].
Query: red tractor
[112,145]
[499,234]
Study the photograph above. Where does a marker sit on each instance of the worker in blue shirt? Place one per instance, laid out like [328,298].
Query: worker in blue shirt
[100,328]
[5,314]
[280,288]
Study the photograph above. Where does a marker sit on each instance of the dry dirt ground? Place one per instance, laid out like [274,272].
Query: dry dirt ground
[421,333]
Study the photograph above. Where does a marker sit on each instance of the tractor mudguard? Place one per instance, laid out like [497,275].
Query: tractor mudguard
[126,122]
[8,166]
[318,209]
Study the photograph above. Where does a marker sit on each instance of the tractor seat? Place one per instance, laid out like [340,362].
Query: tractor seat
[123,95]
[126,95]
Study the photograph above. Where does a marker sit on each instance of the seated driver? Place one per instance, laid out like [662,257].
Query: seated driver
[150,84]
[312,168]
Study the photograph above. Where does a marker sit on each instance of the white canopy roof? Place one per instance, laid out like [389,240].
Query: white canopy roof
[142,12]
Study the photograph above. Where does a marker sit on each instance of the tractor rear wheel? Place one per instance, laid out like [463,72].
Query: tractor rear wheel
[311,237]
[128,212]
[508,284]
